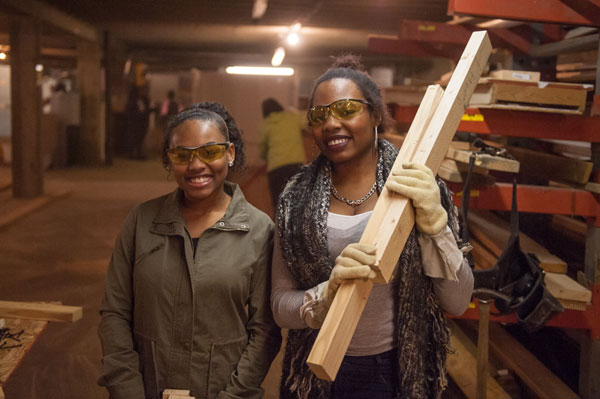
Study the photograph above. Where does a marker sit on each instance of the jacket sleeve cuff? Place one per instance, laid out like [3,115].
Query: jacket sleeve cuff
[126,390]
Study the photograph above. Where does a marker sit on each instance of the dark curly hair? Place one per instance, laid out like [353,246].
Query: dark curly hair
[349,66]
[213,112]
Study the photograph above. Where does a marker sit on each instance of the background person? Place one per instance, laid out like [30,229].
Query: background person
[186,304]
[280,145]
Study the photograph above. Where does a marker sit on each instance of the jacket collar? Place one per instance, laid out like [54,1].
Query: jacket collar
[169,219]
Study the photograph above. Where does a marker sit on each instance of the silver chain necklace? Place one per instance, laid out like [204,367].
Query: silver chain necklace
[352,203]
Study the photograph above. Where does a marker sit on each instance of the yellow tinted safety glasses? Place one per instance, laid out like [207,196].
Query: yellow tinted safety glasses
[341,109]
[206,153]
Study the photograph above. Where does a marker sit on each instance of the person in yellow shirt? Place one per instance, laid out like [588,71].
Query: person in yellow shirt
[281,144]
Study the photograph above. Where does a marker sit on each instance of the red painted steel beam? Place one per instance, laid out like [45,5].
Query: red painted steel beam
[589,8]
[519,123]
[505,38]
[534,199]
[384,45]
[441,33]
[551,11]
[588,319]
[436,32]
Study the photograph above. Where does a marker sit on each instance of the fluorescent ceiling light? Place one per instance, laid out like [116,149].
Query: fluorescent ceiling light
[278,56]
[253,70]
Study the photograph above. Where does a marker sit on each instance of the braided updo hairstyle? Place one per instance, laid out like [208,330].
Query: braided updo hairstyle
[213,112]
[348,66]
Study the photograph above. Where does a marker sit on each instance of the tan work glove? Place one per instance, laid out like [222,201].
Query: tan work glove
[355,261]
[417,183]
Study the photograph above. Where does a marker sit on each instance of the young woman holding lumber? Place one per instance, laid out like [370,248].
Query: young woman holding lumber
[399,347]
[186,303]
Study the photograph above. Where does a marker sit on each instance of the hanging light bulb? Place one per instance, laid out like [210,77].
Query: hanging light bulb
[278,56]
[293,36]
[2,55]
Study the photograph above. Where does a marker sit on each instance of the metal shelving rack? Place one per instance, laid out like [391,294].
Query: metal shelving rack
[422,38]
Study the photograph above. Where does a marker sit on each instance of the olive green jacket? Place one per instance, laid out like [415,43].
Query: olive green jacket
[174,320]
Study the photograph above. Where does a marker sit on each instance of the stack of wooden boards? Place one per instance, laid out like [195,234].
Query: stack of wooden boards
[523,91]
[507,357]
[577,67]
[489,236]
[177,394]
[23,323]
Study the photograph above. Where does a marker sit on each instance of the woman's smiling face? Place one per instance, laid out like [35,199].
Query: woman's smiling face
[342,140]
[197,179]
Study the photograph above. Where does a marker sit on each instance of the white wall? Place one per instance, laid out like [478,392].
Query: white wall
[243,95]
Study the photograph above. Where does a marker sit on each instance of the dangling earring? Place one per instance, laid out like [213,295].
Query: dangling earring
[230,164]
[376,137]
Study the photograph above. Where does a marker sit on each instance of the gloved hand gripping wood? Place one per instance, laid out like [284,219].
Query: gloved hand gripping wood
[355,261]
[417,183]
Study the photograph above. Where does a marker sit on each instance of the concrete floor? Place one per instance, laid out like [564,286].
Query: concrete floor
[60,253]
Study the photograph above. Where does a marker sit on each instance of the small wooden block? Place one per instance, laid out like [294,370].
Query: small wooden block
[39,311]
[506,74]
[172,393]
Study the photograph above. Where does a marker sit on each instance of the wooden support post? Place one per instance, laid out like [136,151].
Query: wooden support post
[90,149]
[482,348]
[389,230]
[27,171]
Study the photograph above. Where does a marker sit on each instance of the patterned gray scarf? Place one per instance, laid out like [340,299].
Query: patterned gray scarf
[422,331]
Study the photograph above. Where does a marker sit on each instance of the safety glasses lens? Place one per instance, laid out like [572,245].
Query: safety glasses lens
[345,109]
[318,114]
[210,153]
[206,153]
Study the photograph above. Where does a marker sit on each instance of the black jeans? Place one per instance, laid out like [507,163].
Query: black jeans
[367,377]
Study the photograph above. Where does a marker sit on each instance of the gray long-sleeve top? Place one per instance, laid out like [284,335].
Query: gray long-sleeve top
[442,261]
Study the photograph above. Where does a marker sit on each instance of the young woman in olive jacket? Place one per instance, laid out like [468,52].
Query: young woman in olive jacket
[186,303]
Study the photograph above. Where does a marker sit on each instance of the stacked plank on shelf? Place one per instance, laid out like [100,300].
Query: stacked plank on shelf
[454,167]
[508,353]
[528,94]
[577,67]
[489,236]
